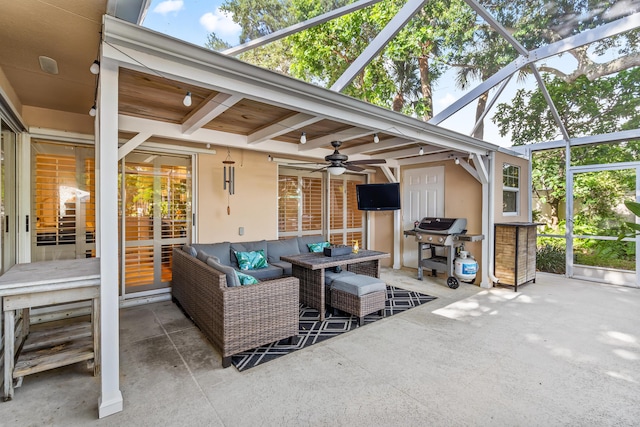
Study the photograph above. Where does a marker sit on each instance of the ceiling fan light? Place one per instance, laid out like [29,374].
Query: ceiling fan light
[336,170]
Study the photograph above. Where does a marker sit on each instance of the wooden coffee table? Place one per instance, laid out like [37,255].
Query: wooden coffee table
[309,269]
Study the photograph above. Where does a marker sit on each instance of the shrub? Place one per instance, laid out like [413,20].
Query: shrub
[551,259]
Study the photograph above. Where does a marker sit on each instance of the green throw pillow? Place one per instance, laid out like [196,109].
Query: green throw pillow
[318,247]
[246,279]
[251,260]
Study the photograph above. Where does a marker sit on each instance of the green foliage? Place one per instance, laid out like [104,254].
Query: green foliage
[551,259]
[631,229]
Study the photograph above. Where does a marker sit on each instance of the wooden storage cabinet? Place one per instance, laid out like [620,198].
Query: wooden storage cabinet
[515,253]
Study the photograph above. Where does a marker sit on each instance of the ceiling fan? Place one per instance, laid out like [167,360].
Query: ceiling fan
[338,163]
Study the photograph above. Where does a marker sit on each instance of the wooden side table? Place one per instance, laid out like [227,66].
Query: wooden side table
[48,283]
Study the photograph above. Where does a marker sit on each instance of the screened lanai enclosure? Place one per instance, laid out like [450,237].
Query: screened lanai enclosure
[557,81]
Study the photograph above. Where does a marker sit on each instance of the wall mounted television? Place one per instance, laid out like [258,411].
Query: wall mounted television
[378,197]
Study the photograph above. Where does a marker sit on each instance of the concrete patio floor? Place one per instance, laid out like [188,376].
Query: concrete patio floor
[557,352]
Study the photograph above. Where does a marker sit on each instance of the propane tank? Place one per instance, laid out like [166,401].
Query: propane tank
[465,267]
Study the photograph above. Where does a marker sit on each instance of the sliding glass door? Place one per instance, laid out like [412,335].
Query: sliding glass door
[155,217]
[8,207]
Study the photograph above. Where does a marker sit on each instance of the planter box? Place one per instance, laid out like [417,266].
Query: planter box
[337,250]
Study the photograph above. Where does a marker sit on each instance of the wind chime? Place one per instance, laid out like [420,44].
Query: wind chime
[229,178]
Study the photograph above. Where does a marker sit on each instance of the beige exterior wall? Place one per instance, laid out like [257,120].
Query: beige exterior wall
[11,94]
[59,120]
[254,205]
[523,214]
[381,237]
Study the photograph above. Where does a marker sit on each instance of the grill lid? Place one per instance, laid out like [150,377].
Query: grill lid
[443,225]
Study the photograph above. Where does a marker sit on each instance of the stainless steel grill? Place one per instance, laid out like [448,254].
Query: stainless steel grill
[445,233]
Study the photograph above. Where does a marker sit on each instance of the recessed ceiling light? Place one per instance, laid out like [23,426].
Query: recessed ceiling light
[48,65]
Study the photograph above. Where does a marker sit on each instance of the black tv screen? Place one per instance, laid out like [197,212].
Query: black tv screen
[378,197]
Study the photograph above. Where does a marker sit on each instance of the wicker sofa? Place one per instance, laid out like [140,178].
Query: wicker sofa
[238,318]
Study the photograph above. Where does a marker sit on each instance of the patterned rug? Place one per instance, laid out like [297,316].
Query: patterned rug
[313,331]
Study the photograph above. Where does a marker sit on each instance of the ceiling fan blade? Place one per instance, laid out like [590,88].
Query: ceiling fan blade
[320,169]
[367,162]
[352,167]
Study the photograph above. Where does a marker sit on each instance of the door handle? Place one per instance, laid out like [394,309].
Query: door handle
[6,224]
[27,222]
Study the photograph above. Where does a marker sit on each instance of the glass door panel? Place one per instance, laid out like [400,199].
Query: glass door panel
[8,198]
[156,207]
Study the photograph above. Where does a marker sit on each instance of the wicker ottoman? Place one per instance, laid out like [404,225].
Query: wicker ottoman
[359,295]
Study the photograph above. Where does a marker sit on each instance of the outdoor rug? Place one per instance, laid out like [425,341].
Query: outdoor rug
[313,331]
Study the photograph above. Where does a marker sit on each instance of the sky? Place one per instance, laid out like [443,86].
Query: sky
[191,20]
[194,20]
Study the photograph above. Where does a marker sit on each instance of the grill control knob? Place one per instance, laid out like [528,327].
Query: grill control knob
[440,239]
[430,238]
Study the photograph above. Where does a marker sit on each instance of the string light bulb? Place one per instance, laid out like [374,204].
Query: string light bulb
[303,138]
[92,111]
[456,161]
[375,138]
[421,151]
[269,158]
[95,67]
[187,100]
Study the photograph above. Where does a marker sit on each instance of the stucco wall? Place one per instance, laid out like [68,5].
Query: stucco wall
[381,236]
[59,120]
[254,205]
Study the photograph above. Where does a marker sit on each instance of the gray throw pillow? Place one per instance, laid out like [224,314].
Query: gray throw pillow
[202,256]
[189,249]
[232,277]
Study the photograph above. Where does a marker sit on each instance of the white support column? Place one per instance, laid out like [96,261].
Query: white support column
[110,400]
[486,179]
[397,229]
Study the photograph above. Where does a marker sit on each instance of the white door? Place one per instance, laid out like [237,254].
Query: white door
[423,195]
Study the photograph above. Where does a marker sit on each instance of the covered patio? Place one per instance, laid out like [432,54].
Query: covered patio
[553,353]
[559,352]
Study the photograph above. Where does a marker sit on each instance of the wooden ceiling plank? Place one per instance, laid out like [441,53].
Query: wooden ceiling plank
[413,151]
[296,121]
[346,135]
[387,143]
[209,110]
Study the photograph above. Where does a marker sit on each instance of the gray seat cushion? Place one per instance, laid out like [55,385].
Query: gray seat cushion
[303,241]
[330,276]
[189,249]
[202,256]
[220,250]
[232,277]
[358,284]
[270,272]
[278,248]
[286,267]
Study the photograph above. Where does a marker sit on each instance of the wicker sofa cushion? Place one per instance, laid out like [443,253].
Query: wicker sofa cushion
[268,273]
[220,250]
[330,276]
[303,241]
[358,284]
[202,256]
[232,277]
[190,250]
[278,248]
[287,268]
